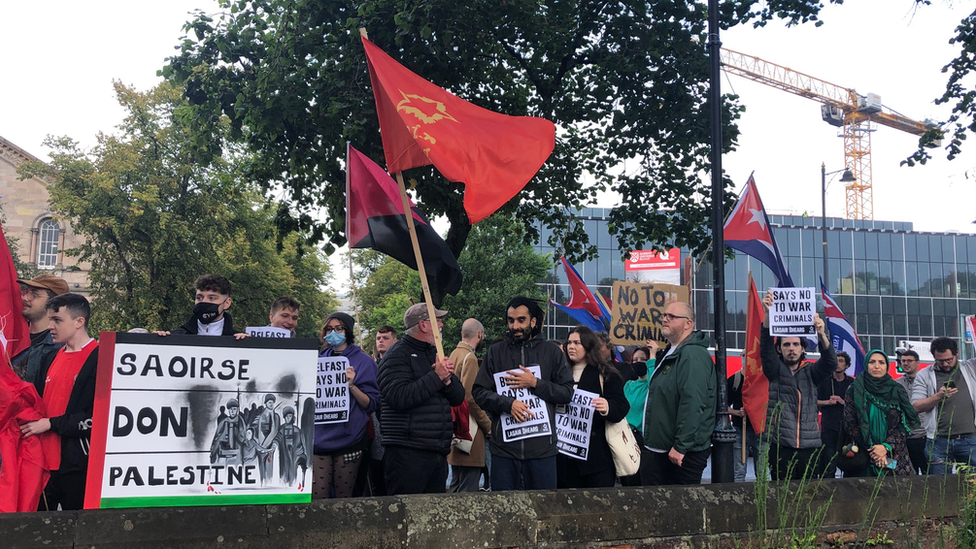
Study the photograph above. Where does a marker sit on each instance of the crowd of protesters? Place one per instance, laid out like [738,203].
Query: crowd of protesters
[402,433]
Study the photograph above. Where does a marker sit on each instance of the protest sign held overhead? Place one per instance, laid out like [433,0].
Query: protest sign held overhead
[792,312]
[573,426]
[638,311]
[186,420]
[331,390]
[538,425]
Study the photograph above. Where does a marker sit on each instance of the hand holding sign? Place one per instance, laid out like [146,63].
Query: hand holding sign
[520,411]
[601,405]
[444,368]
[523,379]
[350,375]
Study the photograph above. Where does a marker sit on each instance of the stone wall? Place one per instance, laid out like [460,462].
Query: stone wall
[909,512]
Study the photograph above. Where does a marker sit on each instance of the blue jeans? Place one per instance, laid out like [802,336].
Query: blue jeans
[944,451]
[522,474]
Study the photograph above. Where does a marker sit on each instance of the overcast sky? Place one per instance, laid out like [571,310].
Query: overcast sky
[61,57]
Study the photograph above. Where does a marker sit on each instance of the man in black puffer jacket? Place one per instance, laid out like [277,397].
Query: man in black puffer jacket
[417,392]
[527,463]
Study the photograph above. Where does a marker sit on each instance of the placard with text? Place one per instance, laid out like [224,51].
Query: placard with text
[792,312]
[538,425]
[573,426]
[193,420]
[638,309]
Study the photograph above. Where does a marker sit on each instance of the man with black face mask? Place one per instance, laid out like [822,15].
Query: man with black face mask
[209,318]
[527,463]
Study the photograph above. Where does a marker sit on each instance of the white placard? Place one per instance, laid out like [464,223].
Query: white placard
[792,312]
[331,390]
[574,426]
[538,425]
[267,331]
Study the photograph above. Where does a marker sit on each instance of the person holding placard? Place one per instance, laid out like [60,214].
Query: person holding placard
[418,391]
[210,316]
[339,446]
[792,427]
[681,397]
[521,380]
[591,376]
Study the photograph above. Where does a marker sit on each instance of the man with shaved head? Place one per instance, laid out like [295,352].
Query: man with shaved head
[679,416]
[466,465]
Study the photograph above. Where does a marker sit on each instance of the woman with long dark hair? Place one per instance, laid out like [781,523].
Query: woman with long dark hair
[591,373]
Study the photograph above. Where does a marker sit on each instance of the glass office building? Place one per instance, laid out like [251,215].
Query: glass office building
[892,282]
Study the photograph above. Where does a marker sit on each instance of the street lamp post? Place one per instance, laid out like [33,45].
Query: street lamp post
[848,177]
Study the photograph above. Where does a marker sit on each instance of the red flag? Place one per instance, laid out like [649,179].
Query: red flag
[14,332]
[755,386]
[374,219]
[493,154]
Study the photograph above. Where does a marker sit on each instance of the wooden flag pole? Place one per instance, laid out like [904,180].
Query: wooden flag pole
[420,267]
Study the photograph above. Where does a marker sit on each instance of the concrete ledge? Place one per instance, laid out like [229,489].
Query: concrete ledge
[644,517]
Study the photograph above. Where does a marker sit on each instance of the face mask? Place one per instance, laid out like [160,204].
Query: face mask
[206,312]
[640,368]
[335,338]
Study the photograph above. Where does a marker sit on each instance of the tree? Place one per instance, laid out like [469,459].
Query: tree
[154,220]
[625,82]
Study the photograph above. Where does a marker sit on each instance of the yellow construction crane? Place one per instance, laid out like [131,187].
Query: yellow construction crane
[841,107]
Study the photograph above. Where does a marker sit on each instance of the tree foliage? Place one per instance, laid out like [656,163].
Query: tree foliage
[154,220]
[625,82]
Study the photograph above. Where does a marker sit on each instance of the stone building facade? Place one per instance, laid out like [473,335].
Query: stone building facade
[40,236]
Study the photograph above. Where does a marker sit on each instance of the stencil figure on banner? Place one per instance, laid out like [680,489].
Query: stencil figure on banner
[467,461]
[792,425]
[347,393]
[521,380]
[67,386]
[417,392]
[42,348]
[642,361]
[210,316]
[585,459]
[283,319]
[945,397]
[679,416]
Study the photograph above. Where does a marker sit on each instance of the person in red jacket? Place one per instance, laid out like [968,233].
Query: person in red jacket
[67,387]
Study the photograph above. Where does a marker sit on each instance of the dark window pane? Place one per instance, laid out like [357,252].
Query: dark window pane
[833,243]
[911,245]
[935,248]
[884,245]
[897,246]
[870,249]
[846,251]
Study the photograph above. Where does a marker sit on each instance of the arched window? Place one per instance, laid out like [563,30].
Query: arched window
[47,249]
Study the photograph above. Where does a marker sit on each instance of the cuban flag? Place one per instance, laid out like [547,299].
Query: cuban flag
[842,334]
[583,306]
[747,230]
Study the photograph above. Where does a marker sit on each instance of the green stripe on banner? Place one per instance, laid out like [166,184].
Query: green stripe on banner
[187,501]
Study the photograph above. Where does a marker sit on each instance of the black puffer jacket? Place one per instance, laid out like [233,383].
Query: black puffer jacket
[415,403]
[554,387]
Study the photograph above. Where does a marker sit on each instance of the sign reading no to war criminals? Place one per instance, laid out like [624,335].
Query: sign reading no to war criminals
[638,308]
[331,390]
[538,425]
[573,427]
[190,420]
[792,312]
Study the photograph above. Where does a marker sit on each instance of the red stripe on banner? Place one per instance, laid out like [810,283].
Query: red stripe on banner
[99,436]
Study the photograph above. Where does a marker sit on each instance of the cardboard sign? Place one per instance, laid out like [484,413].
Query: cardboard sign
[637,311]
[574,426]
[331,390]
[190,420]
[792,312]
[266,331]
[538,425]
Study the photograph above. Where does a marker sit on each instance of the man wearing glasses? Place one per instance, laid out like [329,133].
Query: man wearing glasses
[791,417]
[679,416]
[35,294]
[944,395]
[908,365]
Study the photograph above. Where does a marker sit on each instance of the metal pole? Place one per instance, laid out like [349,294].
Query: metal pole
[823,223]
[724,434]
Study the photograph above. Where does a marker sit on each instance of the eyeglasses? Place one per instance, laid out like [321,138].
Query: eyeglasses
[944,361]
[34,293]
[669,317]
[330,329]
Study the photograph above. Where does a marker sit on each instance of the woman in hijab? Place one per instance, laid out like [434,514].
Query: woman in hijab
[878,415]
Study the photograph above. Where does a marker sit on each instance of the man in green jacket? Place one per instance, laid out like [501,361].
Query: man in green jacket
[680,413]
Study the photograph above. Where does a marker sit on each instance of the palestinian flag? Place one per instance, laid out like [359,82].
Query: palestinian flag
[374,219]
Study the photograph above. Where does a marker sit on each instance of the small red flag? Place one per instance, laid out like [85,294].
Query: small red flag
[755,386]
[14,331]
[493,154]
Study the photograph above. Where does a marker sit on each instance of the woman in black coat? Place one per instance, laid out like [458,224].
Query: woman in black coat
[591,373]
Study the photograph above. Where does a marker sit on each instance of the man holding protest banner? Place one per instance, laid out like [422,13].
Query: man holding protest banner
[417,390]
[791,420]
[520,382]
[680,414]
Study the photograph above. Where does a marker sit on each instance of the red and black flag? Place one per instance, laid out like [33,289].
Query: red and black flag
[374,219]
